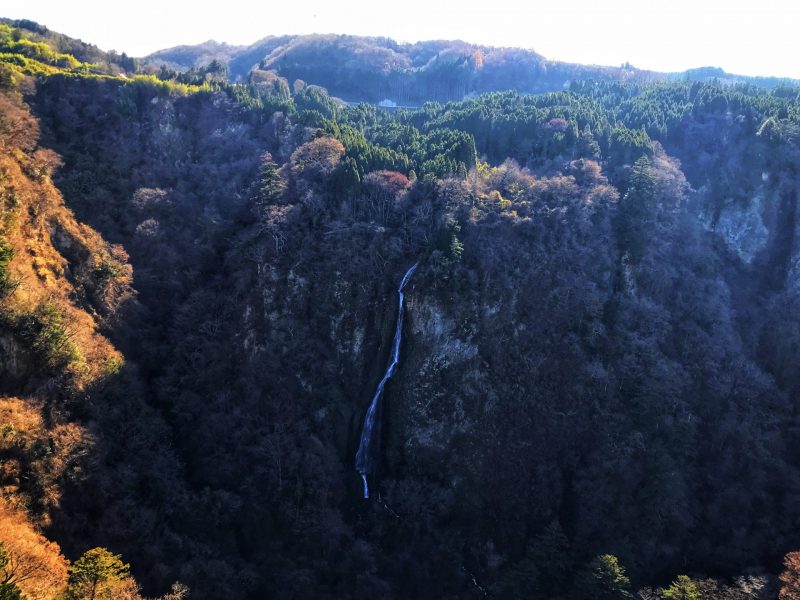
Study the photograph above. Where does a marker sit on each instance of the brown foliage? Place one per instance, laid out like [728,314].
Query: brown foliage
[313,162]
[31,476]
[790,578]
[386,182]
[43,163]
[383,191]
[319,156]
[35,564]
[270,83]
[18,128]
[58,261]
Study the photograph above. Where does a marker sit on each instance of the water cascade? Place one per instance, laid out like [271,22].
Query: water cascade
[365,455]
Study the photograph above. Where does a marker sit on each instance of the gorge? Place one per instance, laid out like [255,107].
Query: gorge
[594,392]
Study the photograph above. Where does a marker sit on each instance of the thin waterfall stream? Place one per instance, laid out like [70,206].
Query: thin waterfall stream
[365,461]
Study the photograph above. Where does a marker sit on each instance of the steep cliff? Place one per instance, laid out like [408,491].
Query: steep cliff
[61,286]
[598,352]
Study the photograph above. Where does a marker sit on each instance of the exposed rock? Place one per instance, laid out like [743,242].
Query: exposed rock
[742,228]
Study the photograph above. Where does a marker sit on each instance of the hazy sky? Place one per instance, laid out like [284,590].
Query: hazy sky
[756,37]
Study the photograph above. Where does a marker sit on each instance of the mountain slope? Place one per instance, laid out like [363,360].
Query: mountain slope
[372,69]
[61,286]
[598,357]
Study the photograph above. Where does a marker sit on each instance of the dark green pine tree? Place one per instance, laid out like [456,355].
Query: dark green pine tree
[603,579]
[270,186]
[98,573]
[636,210]
[9,591]
[683,588]
[346,178]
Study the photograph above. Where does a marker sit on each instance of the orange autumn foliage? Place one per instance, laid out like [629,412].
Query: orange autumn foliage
[35,564]
[30,478]
[790,578]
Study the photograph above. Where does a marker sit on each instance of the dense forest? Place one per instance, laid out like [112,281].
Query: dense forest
[598,390]
[369,69]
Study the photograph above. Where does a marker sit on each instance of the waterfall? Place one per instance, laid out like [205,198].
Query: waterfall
[364,456]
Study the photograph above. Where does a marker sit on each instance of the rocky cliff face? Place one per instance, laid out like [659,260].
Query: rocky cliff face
[742,228]
[532,374]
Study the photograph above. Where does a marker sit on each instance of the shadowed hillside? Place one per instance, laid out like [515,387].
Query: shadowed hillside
[597,391]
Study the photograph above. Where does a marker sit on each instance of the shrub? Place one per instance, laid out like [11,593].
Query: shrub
[48,335]
[7,285]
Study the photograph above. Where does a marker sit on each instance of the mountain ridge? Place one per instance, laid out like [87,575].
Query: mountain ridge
[452,58]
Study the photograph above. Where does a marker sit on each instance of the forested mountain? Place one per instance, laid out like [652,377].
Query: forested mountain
[373,69]
[597,395]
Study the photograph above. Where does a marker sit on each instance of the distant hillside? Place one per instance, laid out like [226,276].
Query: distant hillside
[107,62]
[373,69]
[196,56]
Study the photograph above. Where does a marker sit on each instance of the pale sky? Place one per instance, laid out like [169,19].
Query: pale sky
[757,37]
